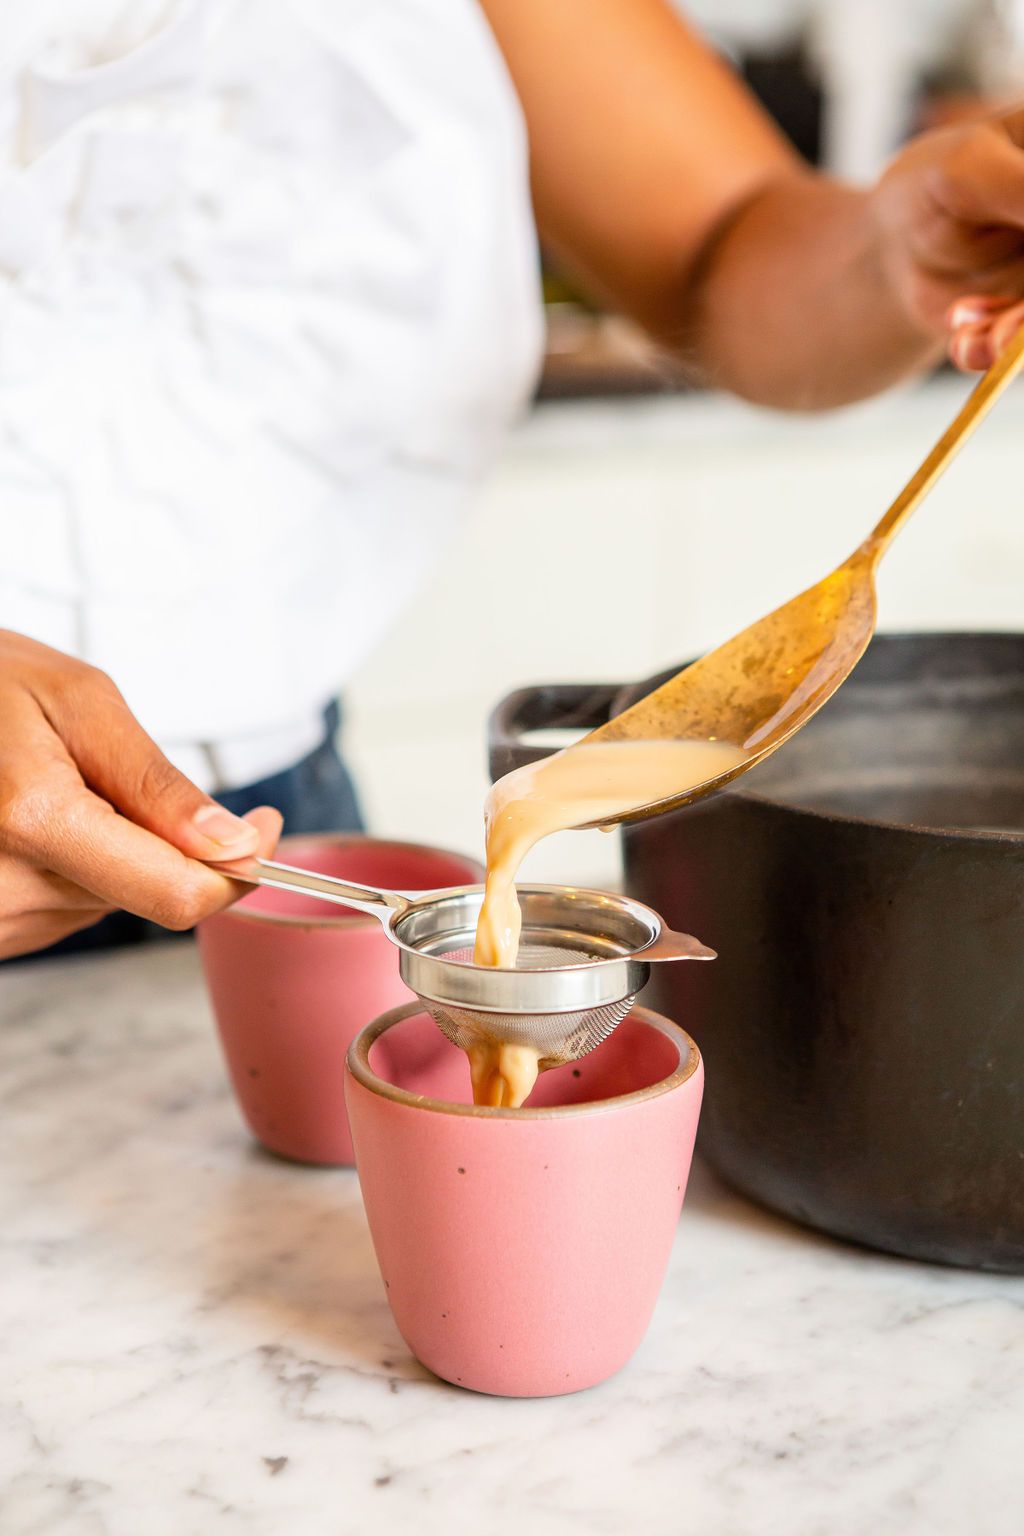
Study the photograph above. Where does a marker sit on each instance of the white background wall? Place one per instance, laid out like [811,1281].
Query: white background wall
[647,531]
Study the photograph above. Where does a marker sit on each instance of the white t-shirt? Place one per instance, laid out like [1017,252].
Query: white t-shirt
[268,299]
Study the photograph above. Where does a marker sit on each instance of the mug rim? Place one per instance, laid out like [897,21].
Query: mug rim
[236,913]
[357,1063]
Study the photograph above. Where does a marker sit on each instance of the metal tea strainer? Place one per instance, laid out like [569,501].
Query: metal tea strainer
[583,956]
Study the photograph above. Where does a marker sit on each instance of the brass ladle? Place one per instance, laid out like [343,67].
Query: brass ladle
[761,686]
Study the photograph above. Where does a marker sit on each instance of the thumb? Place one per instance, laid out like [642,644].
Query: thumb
[269,825]
[118,760]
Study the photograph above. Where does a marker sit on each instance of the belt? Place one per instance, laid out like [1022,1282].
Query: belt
[219,765]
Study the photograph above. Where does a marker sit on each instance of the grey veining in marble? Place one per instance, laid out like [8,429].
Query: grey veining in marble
[194,1337]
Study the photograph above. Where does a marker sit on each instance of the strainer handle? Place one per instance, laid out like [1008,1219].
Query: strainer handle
[306,882]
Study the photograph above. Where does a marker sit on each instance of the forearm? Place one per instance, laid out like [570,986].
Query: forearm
[789,302]
[662,185]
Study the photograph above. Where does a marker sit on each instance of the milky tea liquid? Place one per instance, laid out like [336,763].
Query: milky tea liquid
[575,787]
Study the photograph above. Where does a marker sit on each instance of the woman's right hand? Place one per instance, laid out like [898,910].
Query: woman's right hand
[93,817]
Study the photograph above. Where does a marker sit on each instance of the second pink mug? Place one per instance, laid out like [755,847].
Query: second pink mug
[293,980]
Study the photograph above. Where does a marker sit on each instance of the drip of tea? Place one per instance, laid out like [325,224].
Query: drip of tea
[502,1075]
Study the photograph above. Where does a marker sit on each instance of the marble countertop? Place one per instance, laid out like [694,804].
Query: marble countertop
[195,1339]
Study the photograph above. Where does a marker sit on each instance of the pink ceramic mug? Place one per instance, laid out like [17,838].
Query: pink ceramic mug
[293,980]
[523,1250]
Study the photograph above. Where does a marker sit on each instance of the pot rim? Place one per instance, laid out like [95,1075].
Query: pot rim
[628,694]
[358,1065]
[348,920]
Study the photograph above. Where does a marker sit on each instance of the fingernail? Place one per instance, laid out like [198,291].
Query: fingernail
[221,827]
[965,313]
[973,352]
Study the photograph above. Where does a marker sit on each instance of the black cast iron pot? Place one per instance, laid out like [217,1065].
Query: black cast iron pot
[863,1028]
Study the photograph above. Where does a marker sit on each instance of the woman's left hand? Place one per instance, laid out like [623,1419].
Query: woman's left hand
[949,212]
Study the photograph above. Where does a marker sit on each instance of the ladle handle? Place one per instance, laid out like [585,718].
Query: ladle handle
[306,882]
[973,412]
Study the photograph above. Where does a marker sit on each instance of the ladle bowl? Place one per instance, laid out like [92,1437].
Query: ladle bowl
[764,684]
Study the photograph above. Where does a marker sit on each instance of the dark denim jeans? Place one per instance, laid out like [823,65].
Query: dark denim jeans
[316,795]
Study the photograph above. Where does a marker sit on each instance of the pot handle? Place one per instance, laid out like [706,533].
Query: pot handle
[547,706]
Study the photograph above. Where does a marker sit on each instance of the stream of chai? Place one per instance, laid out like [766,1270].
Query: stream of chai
[580,786]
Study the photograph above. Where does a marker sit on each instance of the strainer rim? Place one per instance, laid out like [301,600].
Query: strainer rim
[358,1065]
[526,887]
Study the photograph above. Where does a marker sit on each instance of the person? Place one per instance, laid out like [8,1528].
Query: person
[269,300]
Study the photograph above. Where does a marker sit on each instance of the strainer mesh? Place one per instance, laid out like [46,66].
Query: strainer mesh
[534,957]
[559,1037]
